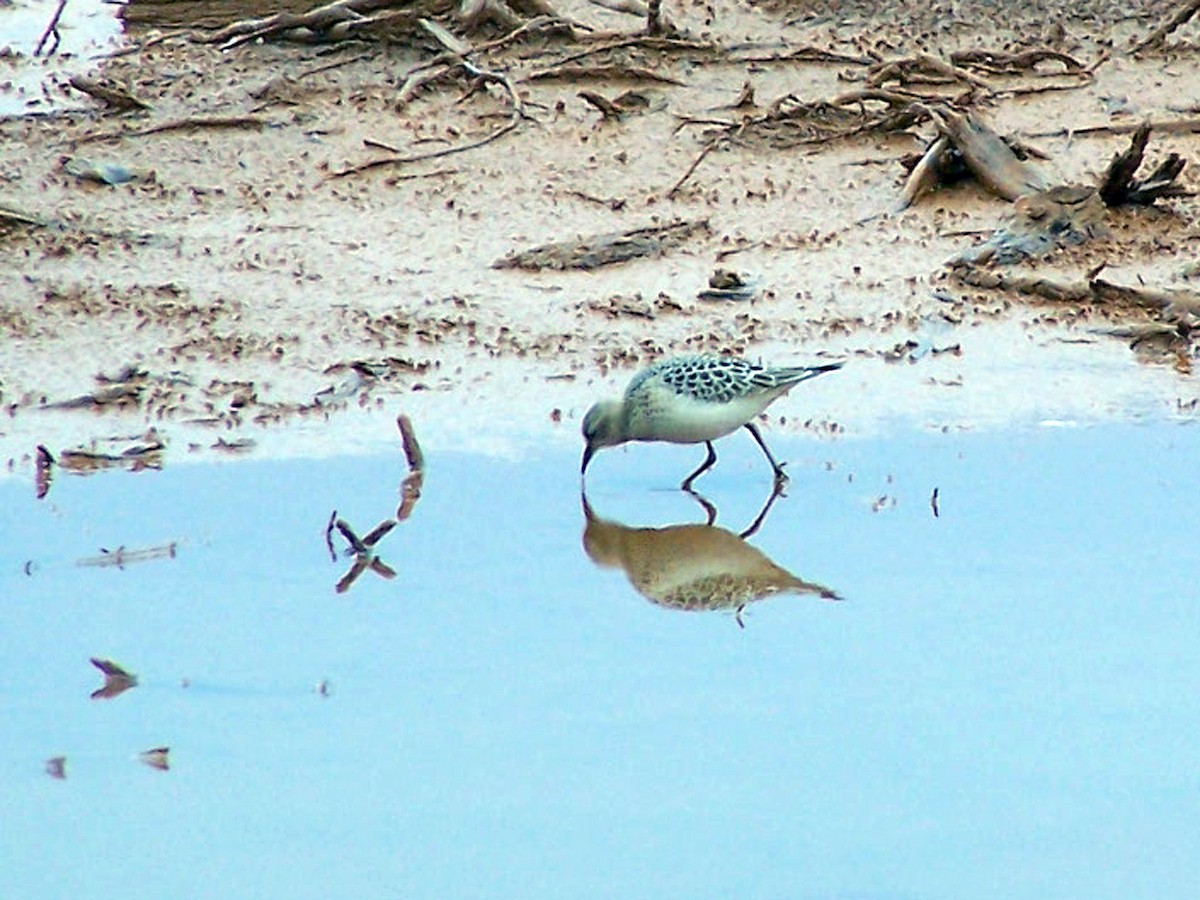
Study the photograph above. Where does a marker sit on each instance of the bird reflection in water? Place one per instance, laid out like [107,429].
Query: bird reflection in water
[693,567]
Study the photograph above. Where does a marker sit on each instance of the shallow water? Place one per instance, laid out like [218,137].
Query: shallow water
[1002,705]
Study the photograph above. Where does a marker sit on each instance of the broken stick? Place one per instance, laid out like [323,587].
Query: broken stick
[410,489]
[1120,186]
[412,450]
[990,159]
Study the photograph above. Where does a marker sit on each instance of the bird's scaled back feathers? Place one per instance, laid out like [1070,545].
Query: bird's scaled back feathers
[721,379]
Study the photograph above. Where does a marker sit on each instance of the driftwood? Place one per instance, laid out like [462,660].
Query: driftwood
[790,122]
[10,218]
[944,163]
[136,458]
[574,72]
[1159,34]
[203,14]
[1040,223]
[114,96]
[622,106]
[1190,125]
[604,249]
[1003,62]
[1177,307]
[1119,185]
[475,14]
[923,68]
[232,23]
[175,125]
[629,7]
[931,170]
[808,54]
[331,22]
[410,488]
[989,158]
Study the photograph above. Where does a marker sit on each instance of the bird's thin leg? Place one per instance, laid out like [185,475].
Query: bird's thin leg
[704,466]
[776,493]
[780,476]
[709,510]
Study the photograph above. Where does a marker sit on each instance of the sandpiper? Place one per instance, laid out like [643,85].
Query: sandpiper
[693,400]
[692,567]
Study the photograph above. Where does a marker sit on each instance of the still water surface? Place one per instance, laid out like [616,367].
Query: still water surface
[1002,705]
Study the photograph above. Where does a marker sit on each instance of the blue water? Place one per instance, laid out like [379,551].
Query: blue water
[1004,704]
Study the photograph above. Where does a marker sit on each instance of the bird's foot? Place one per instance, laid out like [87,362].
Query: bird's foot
[781,477]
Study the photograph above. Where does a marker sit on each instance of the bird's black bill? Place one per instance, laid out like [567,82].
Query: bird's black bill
[587,458]
[814,371]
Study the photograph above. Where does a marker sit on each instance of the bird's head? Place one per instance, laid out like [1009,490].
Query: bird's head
[601,428]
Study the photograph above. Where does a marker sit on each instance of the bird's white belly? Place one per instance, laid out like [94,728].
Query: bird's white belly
[680,420]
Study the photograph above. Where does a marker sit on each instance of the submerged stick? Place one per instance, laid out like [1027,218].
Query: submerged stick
[51,28]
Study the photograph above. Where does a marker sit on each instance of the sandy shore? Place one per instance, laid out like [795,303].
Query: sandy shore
[240,292]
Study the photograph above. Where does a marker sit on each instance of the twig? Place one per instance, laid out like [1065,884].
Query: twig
[338,63]
[1165,126]
[900,69]
[1159,34]
[573,72]
[1001,62]
[10,216]
[645,42]
[616,204]
[51,28]
[607,108]
[708,148]
[808,54]
[346,13]
[379,145]
[483,76]
[654,20]
[176,125]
